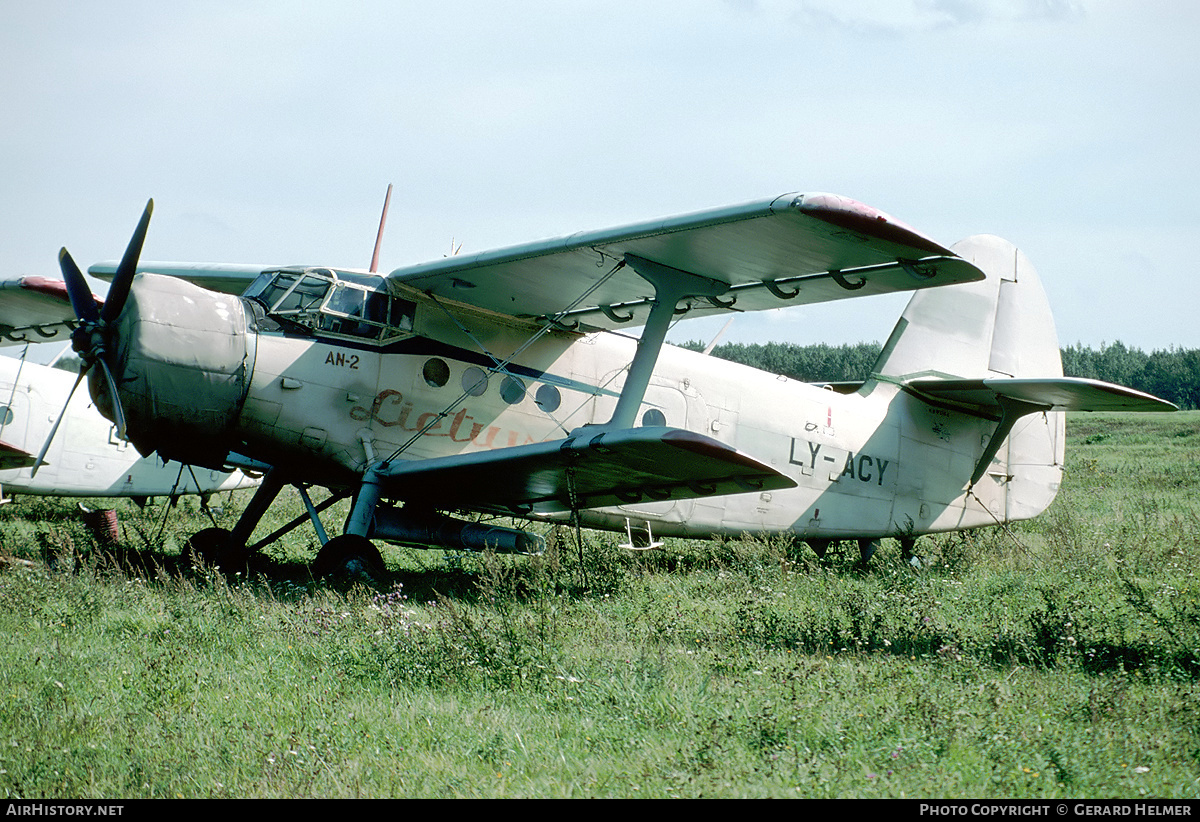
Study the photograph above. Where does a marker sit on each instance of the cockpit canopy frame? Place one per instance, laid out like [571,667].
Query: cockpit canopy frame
[325,301]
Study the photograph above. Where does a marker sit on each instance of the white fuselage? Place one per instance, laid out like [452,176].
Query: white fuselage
[875,463]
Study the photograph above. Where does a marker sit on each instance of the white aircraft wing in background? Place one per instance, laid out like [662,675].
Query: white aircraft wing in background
[86,459]
[35,310]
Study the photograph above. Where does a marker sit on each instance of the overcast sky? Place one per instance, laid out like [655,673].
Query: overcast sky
[268,132]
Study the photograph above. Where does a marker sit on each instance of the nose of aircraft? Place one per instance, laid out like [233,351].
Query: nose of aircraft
[168,362]
[93,335]
[183,361]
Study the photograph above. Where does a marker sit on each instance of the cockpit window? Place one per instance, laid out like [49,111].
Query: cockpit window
[359,312]
[305,296]
[270,286]
[330,302]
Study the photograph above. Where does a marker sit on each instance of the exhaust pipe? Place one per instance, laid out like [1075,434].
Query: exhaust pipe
[431,530]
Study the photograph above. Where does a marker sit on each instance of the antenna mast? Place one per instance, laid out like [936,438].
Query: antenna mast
[379,236]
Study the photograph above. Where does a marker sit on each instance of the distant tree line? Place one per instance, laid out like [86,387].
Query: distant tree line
[1173,374]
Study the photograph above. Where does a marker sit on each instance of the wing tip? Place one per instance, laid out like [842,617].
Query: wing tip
[845,212]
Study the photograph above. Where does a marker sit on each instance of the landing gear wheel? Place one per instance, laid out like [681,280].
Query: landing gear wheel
[348,557]
[214,547]
[908,550]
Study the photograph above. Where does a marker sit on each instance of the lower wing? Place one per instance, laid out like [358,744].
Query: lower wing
[583,471]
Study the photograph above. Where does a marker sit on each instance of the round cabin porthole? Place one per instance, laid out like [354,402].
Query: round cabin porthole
[436,373]
[474,381]
[512,390]
[654,418]
[547,398]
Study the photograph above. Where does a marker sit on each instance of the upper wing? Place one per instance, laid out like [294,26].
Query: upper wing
[789,250]
[228,278]
[35,309]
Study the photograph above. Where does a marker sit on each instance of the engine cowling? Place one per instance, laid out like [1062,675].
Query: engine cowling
[184,357]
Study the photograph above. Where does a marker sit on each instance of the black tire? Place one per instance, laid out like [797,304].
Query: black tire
[348,557]
[214,548]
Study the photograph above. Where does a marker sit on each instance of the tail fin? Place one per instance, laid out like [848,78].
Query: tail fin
[997,327]
[994,330]
[990,350]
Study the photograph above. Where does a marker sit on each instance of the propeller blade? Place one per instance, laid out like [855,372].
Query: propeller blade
[123,279]
[82,301]
[46,445]
[118,411]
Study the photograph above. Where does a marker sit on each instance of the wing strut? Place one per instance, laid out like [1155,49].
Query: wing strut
[670,286]
[1012,409]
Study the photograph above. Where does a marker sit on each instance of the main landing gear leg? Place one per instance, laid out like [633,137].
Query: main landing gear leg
[353,555]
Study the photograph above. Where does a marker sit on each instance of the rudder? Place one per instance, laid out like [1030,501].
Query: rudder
[995,327]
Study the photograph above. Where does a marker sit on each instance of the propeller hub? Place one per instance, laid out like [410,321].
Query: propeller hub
[89,341]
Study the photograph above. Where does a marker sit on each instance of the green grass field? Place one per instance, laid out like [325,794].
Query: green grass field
[1059,658]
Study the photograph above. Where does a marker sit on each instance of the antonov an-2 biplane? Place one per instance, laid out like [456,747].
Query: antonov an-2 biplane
[504,384]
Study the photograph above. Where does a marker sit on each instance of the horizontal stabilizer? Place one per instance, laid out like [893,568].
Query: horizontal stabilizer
[988,396]
[1008,399]
[586,470]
